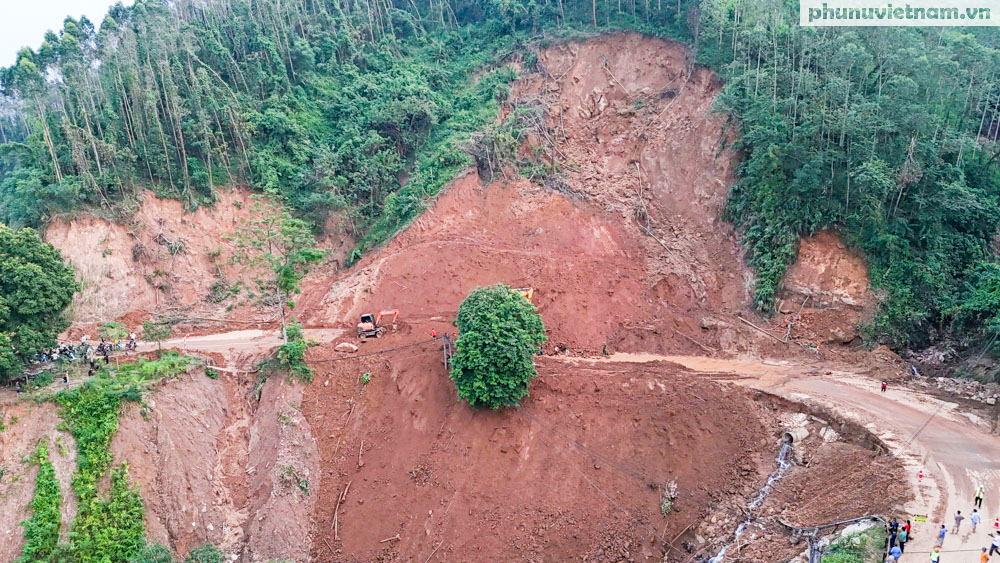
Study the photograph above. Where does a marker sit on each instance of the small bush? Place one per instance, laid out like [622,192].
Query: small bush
[219,291]
[292,354]
[41,380]
[157,331]
[113,331]
[860,547]
[153,553]
[207,553]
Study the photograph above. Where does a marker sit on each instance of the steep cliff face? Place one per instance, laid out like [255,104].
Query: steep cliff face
[162,258]
[215,465]
[24,425]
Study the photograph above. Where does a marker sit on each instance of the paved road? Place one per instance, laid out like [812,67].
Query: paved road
[955,451]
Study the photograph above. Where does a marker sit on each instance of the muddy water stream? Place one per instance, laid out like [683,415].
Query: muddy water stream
[758,500]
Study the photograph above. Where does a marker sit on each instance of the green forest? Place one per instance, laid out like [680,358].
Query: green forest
[363,110]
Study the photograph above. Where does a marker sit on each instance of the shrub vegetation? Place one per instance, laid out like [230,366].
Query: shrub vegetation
[108,527]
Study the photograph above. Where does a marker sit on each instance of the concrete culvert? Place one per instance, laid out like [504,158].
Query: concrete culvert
[791,435]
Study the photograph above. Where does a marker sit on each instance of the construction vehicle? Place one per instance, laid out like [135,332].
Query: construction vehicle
[372,325]
[526,292]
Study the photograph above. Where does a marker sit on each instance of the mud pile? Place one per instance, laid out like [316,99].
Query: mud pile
[580,468]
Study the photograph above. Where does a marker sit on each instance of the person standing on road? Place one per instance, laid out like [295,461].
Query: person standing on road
[995,547]
[883,385]
[902,538]
[975,518]
[895,552]
[941,534]
[892,537]
[936,554]
[983,558]
[978,501]
[958,521]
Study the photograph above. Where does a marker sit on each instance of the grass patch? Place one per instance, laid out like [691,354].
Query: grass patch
[866,546]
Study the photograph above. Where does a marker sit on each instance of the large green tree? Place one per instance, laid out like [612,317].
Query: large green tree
[499,333]
[36,286]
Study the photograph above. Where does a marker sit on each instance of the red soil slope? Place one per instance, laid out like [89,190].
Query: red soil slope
[578,469]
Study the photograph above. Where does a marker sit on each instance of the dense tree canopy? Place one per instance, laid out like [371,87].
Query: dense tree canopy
[888,134]
[36,286]
[499,332]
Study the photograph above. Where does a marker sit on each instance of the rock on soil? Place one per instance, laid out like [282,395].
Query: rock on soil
[345,347]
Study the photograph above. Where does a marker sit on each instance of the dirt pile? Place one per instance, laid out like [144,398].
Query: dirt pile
[518,234]
[578,469]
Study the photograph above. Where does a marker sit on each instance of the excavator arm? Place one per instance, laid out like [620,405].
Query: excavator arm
[386,313]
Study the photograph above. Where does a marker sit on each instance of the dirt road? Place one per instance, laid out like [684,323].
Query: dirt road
[954,451]
[240,340]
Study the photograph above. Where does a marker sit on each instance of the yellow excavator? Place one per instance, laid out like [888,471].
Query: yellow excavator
[526,292]
[372,325]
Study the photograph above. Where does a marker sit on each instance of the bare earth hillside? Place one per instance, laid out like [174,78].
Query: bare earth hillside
[627,254]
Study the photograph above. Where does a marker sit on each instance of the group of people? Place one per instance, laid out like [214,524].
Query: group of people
[90,354]
[899,534]
[974,519]
[63,351]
